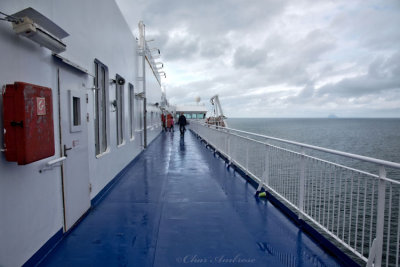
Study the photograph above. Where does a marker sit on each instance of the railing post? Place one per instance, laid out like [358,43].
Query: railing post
[266,164]
[229,149]
[226,142]
[247,155]
[372,254]
[302,181]
[380,220]
[247,158]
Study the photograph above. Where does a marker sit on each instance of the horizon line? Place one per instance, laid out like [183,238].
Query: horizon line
[313,118]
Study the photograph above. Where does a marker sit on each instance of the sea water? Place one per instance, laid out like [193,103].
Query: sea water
[376,138]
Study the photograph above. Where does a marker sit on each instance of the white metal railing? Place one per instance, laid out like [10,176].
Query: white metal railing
[357,208]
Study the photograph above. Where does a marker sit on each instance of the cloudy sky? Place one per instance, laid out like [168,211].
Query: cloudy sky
[277,58]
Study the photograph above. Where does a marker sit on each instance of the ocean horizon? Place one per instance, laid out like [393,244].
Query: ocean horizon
[326,117]
[372,137]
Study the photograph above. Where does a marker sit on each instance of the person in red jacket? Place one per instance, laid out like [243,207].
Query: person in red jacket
[170,122]
[163,121]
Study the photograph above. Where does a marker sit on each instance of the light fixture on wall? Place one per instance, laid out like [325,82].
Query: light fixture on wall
[155,50]
[162,73]
[38,28]
[140,95]
[159,63]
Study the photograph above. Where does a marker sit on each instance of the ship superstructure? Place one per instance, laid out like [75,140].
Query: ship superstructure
[105,96]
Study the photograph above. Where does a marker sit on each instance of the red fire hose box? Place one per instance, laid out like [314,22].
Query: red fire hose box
[28,122]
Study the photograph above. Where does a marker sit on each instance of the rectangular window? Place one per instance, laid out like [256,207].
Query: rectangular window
[76,110]
[131,110]
[119,97]
[200,116]
[101,119]
[139,114]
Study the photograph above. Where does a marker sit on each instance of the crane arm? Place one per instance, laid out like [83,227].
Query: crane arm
[218,110]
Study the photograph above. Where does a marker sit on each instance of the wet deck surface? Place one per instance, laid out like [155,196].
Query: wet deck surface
[179,205]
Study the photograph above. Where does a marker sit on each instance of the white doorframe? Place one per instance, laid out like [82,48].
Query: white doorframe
[73,145]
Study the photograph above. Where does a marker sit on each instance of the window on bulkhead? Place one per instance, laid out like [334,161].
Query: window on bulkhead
[131,110]
[139,114]
[119,97]
[76,111]
[101,119]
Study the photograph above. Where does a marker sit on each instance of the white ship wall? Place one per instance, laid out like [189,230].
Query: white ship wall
[31,206]
[153,97]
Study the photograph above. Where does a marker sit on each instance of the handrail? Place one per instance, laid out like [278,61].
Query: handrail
[352,206]
[327,150]
[338,165]
[54,161]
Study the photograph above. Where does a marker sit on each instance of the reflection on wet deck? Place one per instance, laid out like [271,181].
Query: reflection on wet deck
[178,205]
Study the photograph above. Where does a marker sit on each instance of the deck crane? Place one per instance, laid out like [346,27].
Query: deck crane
[218,119]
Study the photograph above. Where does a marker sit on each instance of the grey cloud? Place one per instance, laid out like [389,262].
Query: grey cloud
[177,47]
[248,58]
[188,92]
[211,17]
[289,72]
[307,92]
[315,44]
[373,26]
[289,62]
[207,21]
[241,48]
[383,75]
[355,87]
[214,48]
[181,49]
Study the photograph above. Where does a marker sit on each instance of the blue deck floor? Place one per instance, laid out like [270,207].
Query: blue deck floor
[179,205]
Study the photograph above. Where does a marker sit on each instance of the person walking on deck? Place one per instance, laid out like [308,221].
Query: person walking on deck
[163,121]
[170,122]
[182,123]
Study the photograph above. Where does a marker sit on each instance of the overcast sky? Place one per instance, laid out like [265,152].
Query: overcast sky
[277,58]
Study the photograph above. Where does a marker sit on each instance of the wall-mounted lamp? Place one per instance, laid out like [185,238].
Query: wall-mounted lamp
[155,56]
[140,95]
[162,73]
[47,34]
[159,63]
[155,50]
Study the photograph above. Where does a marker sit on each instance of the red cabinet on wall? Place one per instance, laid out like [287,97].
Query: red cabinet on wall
[28,122]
